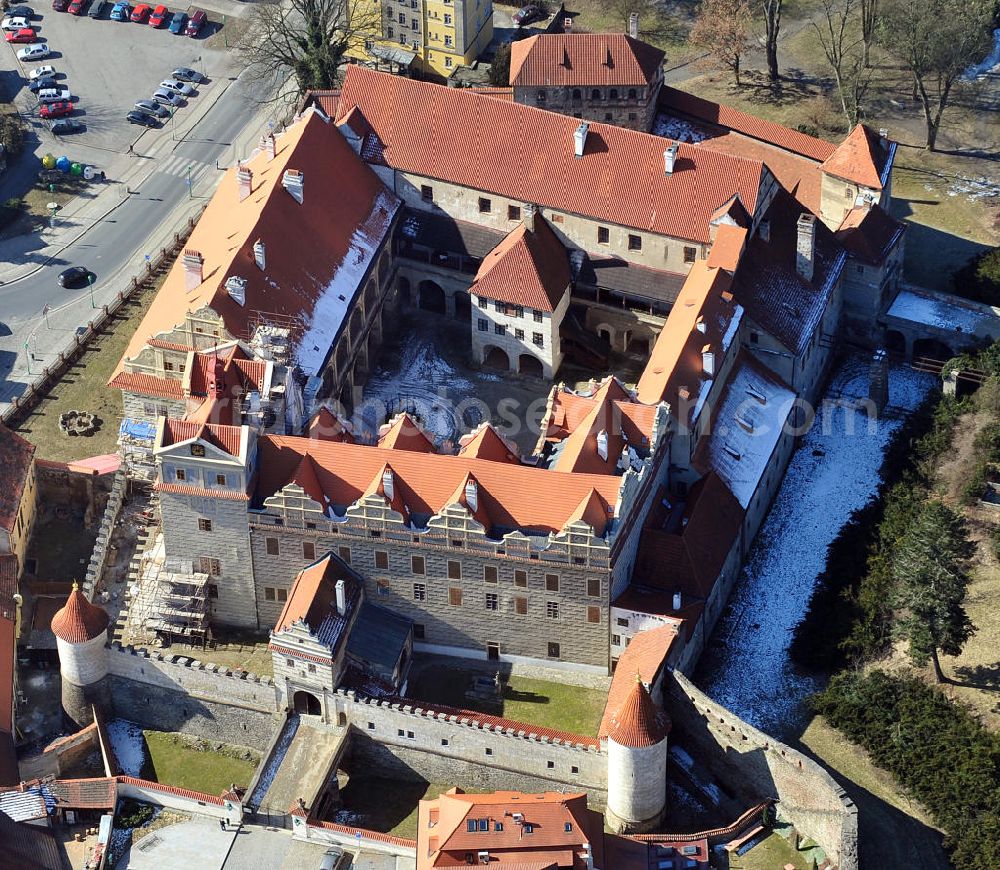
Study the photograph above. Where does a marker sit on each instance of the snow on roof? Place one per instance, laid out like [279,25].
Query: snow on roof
[931,311]
[747,424]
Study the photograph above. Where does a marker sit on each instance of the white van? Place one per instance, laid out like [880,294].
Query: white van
[54,95]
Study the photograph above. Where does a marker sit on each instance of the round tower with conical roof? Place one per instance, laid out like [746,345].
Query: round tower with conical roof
[81,631]
[637,763]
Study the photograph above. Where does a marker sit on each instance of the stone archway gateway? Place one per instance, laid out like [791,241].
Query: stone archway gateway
[496,358]
[307,702]
[432,297]
[530,365]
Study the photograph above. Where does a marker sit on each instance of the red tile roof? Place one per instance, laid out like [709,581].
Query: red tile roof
[148,385]
[170,789]
[468,139]
[869,234]
[427,482]
[16,455]
[237,370]
[292,285]
[727,248]
[529,268]
[327,426]
[9,574]
[638,722]
[7,653]
[859,158]
[672,100]
[366,834]
[644,656]
[84,794]
[402,432]
[592,59]
[226,438]
[205,492]
[313,596]
[78,621]
[486,443]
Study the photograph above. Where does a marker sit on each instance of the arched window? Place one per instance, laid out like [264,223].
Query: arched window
[614,94]
[632,93]
[576,94]
[595,94]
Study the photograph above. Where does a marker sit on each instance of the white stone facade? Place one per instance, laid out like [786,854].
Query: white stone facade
[637,785]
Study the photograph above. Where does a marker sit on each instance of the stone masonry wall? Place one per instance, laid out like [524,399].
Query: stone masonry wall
[755,766]
[175,693]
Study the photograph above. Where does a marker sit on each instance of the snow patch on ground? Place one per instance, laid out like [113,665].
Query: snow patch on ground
[129,746]
[938,313]
[990,63]
[677,129]
[281,748]
[980,187]
[834,472]
[350,818]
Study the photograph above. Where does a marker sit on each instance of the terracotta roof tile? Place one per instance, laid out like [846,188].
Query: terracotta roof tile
[78,621]
[727,248]
[168,345]
[645,655]
[206,492]
[486,443]
[7,651]
[620,178]
[226,438]
[869,234]
[16,455]
[170,789]
[313,599]
[859,158]
[327,426]
[366,834]
[148,385]
[637,722]
[9,575]
[592,59]
[84,794]
[402,432]
[529,268]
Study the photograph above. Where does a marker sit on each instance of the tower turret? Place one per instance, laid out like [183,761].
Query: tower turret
[81,631]
[637,763]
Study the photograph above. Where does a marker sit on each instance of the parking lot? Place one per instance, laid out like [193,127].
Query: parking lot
[108,65]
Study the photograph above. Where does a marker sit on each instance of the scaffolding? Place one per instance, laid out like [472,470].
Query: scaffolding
[166,605]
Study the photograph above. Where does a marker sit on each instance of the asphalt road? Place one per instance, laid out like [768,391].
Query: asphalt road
[113,247]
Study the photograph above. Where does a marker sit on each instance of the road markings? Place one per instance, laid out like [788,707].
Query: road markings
[177,166]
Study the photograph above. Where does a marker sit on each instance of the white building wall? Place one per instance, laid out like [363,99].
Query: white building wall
[637,782]
[83,663]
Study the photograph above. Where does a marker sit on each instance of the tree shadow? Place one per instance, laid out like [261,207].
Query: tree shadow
[977,677]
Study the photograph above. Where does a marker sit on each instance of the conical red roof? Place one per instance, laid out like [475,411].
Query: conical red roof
[78,620]
[638,722]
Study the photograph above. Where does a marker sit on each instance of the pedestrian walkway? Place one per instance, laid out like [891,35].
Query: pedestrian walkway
[179,167]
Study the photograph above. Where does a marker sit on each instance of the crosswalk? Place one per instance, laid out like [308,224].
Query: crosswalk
[178,166]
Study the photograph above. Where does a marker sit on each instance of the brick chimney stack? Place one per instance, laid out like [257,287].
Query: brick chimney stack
[633,25]
[805,246]
[267,145]
[294,182]
[244,180]
[530,212]
[194,263]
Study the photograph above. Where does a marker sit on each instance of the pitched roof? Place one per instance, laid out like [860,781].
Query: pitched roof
[7,653]
[148,385]
[638,722]
[16,454]
[237,370]
[313,600]
[860,158]
[467,139]
[28,847]
[428,481]
[9,571]
[485,442]
[644,656]
[529,268]
[227,438]
[727,248]
[378,636]
[78,621]
[327,426]
[313,291]
[84,794]
[592,59]
[402,432]
[869,234]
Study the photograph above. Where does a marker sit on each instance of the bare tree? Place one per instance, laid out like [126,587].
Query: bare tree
[308,38]
[722,28]
[771,10]
[937,40]
[869,27]
[839,29]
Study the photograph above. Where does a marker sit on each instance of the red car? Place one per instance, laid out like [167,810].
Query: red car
[77,7]
[159,16]
[25,34]
[56,110]
[140,12]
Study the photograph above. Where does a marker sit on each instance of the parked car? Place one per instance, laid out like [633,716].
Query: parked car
[14,23]
[55,110]
[333,859]
[527,14]
[121,11]
[43,84]
[60,5]
[139,13]
[167,98]
[177,22]
[196,22]
[55,95]
[78,7]
[185,90]
[42,72]
[186,74]
[21,12]
[74,276]
[137,117]
[151,107]
[65,126]
[25,34]
[159,15]
[98,8]
[34,52]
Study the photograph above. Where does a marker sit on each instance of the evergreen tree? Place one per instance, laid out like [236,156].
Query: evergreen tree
[931,573]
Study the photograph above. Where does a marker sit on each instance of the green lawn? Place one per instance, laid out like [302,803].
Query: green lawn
[770,854]
[174,761]
[84,387]
[537,702]
[239,650]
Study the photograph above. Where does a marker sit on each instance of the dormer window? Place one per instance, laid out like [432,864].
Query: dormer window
[197,449]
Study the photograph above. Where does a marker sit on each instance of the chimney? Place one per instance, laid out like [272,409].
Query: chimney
[567,25]
[193,263]
[217,379]
[530,212]
[602,444]
[236,287]
[244,180]
[677,601]
[805,245]
[259,255]
[580,139]
[670,159]
[294,182]
[701,325]
[633,25]
[472,494]
[708,360]
[883,138]
[341,588]
[387,484]
[267,145]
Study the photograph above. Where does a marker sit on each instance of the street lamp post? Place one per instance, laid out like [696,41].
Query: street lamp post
[173,124]
[90,282]
[27,358]
[53,207]
[190,194]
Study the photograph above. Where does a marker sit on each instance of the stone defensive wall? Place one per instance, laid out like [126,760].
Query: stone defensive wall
[179,693]
[61,755]
[759,767]
[411,741]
